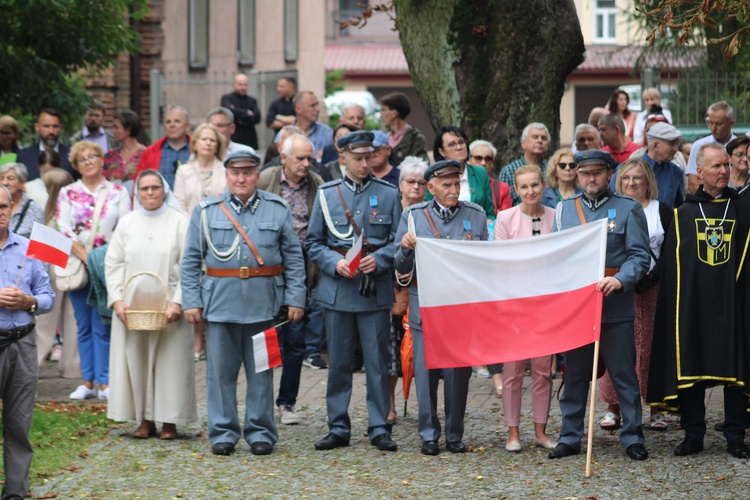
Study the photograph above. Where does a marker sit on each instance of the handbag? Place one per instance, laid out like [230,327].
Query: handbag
[75,276]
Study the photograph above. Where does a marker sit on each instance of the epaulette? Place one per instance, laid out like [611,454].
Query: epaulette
[418,206]
[272,197]
[476,207]
[331,183]
[381,181]
[211,200]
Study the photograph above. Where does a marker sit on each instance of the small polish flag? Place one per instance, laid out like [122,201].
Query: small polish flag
[49,245]
[354,254]
[266,350]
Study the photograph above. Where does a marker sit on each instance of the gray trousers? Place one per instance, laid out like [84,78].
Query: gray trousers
[373,328]
[455,390]
[228,347]
[18,377]
[618,351]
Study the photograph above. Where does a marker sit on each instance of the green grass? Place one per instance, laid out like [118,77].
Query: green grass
[61,433]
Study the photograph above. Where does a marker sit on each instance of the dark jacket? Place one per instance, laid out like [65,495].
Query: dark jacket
[245,122]
[30,158]
[412,144]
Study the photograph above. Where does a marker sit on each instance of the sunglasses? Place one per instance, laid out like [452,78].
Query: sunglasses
[563,166]
[487,159]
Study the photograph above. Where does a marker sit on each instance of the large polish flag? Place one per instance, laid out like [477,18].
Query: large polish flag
[497,301]
[49,245]
[266,350]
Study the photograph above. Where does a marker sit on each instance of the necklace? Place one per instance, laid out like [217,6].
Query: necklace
[714,234]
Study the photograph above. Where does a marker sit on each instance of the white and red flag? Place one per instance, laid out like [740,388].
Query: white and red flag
[497,301]
[354,254]
[49,245]
[266,350]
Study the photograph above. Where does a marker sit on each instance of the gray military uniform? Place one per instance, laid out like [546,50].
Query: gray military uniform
[456,380]
[237,308]
[376,209]
[628,250]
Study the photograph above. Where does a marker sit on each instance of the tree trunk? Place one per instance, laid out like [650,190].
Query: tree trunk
[491,66]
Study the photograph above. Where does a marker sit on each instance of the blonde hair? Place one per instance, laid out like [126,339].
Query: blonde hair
[81,146]
[552,180]
[221,140]
[652,191]
[528,169]
[54,180]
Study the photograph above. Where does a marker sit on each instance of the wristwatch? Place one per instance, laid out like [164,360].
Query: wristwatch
[33,307]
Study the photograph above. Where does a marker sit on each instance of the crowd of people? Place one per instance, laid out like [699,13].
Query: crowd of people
[192,226]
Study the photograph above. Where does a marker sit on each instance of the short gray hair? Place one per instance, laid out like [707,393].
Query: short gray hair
[528,127]
[353,105]
[483,143]
[708,145]
[221,110]
[7,191]
[288,144]
[177,107]
[584,126]
[21,171]
[412,165]
[722,106]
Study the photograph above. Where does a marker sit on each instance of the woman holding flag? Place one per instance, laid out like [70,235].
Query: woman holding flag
[152,373]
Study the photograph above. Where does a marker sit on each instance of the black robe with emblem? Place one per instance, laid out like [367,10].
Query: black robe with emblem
[699,328]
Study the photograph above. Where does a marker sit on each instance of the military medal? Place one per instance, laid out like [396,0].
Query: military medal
[611,225]
[374,204]
[467,226]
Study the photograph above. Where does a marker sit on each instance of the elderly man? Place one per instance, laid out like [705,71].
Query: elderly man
[294,182]
[651,97]
[48,127]
[281,111]
[700,332]
[357,301]
[443,217]
[246,112]
[223,119]
[535,144]
[307,107]
[93,130]
[253,267]
[354,115]
[172,150]
[627,261]
[720,120]
[662,146]
[19,303]
[379,164]
[616,142]
[586,137]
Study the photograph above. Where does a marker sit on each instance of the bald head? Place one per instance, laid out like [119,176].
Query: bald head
[240,84]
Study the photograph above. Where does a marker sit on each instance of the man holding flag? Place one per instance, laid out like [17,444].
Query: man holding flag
[356,211]
[254,265]
[443,217]
[627,261]
[24,292]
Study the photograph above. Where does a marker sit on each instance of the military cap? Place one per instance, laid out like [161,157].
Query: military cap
[594,157]
[380,139]
[356,142]
[242,158]
[663,131]
[442,168]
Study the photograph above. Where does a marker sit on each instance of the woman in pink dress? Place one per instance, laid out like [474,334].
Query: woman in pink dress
[526,220]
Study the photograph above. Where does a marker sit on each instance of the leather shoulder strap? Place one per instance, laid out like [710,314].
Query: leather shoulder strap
[242,232]
[348,212]
[431,222]
[579,208]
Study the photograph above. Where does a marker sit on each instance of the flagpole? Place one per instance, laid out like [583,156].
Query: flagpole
[20,271]
[281,324]
[590,440]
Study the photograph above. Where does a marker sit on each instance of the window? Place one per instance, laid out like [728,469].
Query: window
[198,34]
[291,39]
[605,13]
[246,32]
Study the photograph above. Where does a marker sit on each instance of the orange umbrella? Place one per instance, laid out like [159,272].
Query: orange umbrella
[407,358]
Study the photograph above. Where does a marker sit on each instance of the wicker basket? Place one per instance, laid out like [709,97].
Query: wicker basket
[146,320]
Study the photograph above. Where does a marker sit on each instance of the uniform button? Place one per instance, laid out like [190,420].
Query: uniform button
[359,211]
[380,220]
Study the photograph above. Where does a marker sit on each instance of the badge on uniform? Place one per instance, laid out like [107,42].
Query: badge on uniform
[611,225]
[467,226]
[374,204]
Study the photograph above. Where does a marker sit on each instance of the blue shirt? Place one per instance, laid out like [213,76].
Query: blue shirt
[171,159]
[34,281]
[669,180]
[320,135]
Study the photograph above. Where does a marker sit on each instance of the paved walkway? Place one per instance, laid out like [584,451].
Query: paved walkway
[121,467]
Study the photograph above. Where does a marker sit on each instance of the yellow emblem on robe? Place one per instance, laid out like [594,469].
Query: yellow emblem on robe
[714,241]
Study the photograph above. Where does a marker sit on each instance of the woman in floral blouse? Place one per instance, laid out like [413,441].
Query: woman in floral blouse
[120,163]
[74,216]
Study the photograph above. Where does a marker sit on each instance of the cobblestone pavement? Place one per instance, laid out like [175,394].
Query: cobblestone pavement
[122,467]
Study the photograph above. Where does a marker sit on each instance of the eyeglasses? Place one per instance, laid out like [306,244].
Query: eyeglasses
[564,166]
[88,159]
[456,144]
[6,132]
[419,183]
[221,125]
[487,159]
[150,188]
[635,179]
[740,155]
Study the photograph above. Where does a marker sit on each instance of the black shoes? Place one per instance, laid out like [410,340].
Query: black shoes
[688,446]
[430,448]
[738,449]
[225,449]
[261,448]
[383,442]
[637,452]
[563,450]
[456,447]
[330,442]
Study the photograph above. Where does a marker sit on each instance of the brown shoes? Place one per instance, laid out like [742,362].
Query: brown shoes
[168,431]
[146,430]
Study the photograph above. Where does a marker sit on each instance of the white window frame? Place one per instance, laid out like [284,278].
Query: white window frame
[198,48]
[246,30]
[608,16]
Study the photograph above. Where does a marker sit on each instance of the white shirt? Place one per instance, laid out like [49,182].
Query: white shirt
[465,193]
[655,230]
[640,123]
[692,166]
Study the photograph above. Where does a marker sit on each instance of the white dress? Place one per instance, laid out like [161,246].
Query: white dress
[151,374]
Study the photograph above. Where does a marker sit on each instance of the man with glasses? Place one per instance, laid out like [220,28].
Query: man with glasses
[223,119]
[627,260]
[720,120]
[535,145]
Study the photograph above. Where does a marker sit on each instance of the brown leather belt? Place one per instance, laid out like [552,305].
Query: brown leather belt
[611,271]
[18,333]
[366,250]
[244,272]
